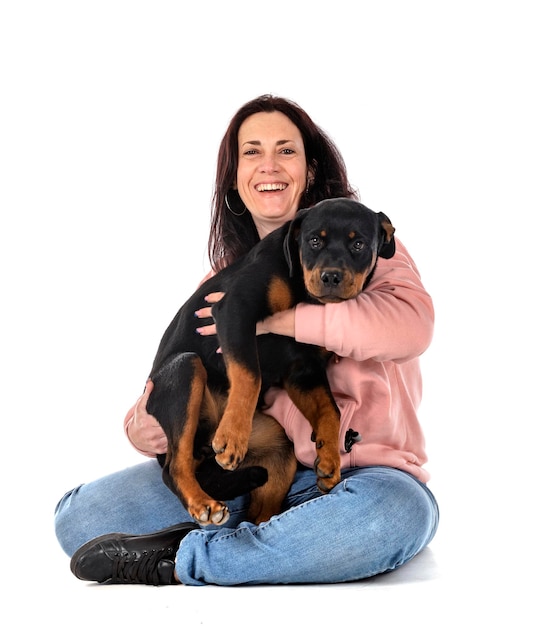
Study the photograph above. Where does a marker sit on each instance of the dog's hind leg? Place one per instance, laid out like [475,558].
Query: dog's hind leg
[220,483]
[267,471]
[177,400]
[269,448]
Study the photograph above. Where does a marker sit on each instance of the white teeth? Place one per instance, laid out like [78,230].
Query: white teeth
[271,187]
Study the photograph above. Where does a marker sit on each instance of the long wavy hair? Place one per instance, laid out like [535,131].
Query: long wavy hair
[233,231]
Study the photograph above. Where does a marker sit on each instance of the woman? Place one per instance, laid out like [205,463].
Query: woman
[128,527]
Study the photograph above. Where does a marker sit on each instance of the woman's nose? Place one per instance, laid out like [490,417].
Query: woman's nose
[269,163]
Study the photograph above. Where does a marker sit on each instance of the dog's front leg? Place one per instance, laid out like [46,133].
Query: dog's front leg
[230,442]
[319,408]
[236,330]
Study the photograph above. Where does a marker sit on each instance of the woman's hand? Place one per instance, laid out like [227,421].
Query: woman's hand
[282,323]
[206,312]
[144,430]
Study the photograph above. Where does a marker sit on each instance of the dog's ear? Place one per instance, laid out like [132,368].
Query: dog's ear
[290,241]
[386,243]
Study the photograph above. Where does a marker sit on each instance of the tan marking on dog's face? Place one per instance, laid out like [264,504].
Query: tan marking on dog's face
[279,295]
[351,286]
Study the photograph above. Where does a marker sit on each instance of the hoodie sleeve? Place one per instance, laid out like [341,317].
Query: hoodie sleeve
[391,320]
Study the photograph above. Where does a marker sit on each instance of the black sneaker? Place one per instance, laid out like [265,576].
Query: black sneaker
[143,559]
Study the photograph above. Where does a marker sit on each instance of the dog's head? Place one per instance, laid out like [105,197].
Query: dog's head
[338,242]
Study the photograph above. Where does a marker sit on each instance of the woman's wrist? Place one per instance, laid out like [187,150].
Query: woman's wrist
[281,323]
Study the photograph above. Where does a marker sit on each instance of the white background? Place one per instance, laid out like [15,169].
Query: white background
[110,118]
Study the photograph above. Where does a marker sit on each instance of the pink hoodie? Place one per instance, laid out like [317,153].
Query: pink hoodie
[375,378]
[377,339]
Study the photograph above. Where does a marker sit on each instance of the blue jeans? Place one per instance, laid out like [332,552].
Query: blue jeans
[376,519]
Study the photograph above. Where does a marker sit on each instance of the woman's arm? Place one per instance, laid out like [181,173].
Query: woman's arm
[392,320]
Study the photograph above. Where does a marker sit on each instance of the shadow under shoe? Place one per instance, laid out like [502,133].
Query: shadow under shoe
[134,559]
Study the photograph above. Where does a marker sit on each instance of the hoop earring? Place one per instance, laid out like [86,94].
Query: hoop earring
[227,205]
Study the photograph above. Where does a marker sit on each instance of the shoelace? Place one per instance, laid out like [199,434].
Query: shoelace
[143,568]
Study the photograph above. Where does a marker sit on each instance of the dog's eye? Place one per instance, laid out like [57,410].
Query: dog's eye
[358,245]
[316,242]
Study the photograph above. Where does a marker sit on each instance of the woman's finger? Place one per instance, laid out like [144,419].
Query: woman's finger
[215,296]
[207,330]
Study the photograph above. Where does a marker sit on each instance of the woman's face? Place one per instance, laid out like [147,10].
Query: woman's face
[272,169]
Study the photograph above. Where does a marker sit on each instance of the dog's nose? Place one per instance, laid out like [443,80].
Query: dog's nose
[331,278]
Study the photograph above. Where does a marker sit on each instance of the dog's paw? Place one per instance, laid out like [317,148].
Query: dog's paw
[327,463]
[327,469]
[230,447]
[210,513]
[229,456]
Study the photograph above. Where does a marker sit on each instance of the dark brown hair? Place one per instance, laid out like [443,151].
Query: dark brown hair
[233,232]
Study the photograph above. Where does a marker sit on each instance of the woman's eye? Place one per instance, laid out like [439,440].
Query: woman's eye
[288,151]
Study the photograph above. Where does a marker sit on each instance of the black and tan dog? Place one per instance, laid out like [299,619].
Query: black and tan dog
[219,444]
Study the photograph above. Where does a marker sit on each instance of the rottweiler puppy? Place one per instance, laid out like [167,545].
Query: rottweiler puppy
[209,404]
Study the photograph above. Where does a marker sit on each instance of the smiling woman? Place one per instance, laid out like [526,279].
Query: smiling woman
[128,527]
[272,173]
[317,169]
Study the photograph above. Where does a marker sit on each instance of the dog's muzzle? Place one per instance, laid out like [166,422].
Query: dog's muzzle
[332,284]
